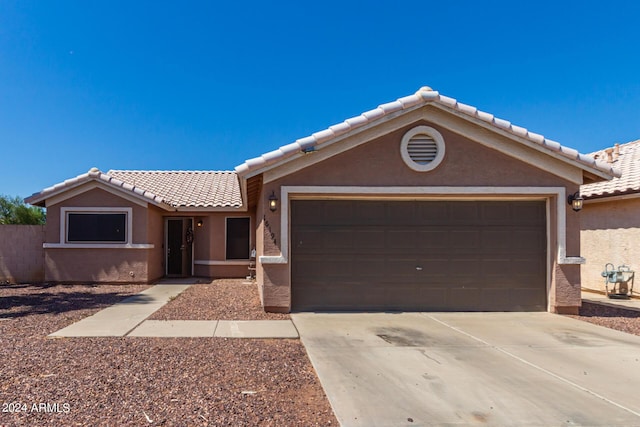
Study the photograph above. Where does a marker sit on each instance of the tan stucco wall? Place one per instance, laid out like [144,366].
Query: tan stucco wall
[96,198]
[564,296]
[96,265]
[610,232]
[210,245]
[379,163]
[21,253]
[155,236]
[139,265]
[107,265]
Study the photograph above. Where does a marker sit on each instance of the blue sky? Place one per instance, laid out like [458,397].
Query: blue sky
[205,85]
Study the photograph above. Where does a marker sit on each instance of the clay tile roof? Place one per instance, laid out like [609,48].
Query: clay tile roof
[177,189]
[422,97]
[200,189]
[628,162]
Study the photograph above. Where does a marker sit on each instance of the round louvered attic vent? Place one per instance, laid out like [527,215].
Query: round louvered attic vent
[422,148]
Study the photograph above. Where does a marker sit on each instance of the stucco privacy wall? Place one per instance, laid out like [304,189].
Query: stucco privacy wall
[610,233]
[21,253]
[378,163]
[116,265]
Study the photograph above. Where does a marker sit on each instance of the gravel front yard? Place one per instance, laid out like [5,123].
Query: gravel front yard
[223,299]
[164,381]
[146,381]
[610,317]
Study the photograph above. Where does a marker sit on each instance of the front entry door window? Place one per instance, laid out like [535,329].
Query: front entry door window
[179,247]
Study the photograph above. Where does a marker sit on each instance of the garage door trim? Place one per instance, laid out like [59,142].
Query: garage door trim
[460,193]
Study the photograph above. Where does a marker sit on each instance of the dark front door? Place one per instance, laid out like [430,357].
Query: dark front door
[179,247]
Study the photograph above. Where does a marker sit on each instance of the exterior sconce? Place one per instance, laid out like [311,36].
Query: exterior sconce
[576,201]
[199,223]
[273,202]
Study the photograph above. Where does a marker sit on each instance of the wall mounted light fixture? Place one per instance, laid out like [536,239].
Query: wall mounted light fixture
[199,223]
[576,201]
[273,201]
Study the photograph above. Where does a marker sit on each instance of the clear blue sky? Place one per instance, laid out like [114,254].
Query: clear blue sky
[209,84]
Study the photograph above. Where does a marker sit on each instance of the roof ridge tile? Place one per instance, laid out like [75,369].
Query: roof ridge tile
[423,96]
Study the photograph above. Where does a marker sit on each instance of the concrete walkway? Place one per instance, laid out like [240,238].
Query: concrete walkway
[597,298]
[121,318]
[216,328]
[127,318]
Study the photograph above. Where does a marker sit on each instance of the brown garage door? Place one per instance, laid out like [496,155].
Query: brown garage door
[418,255]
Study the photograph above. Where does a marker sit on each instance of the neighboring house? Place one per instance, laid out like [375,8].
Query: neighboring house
[423,203]
[610,220]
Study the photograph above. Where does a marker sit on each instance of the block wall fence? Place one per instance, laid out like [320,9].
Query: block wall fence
[21,253]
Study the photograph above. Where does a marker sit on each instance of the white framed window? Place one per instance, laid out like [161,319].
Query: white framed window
[422,148]
[238,238]
[95,225]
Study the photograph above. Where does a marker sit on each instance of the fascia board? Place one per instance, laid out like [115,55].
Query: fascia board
[327,150]
[76,190]
[520,140]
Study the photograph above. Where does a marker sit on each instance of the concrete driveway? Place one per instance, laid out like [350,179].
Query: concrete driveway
[452,369]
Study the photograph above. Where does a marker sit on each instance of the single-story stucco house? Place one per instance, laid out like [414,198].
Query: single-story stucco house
[610,220]
[423,203]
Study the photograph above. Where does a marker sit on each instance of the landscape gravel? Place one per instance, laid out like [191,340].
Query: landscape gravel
[621,319]
[222,299]
[142,381]
[165,381]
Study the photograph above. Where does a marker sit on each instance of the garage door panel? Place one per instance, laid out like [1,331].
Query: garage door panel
[494,213]
[463,268]
[432,213]
[308,267]
[473,256]
[367,267]
[530,299]
[397,267]
[311,213]
[338,213]
[308,241]
[464,299]
[528,239]
[463,213]
[373,213]
[431,239]
[527,213]
[498,240]
[526,267]
[338,239]
[464,241]
[401,239]
[403,213]
[370,238]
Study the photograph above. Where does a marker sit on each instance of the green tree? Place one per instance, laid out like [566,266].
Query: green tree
[14,211]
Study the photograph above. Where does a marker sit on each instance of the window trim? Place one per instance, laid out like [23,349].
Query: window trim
[226,222]
[437,138]
[63,243]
